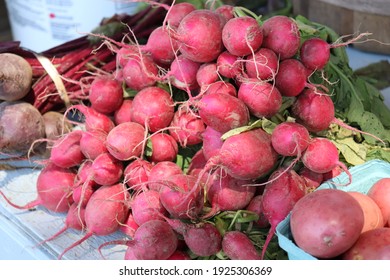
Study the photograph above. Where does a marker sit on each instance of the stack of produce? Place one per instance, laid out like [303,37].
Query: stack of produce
[200,135]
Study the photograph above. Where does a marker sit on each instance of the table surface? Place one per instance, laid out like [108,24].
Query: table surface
[22,230]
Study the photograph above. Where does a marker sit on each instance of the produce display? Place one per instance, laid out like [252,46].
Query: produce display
[195,128]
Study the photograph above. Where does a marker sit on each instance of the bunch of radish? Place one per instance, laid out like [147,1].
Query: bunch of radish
[176,137]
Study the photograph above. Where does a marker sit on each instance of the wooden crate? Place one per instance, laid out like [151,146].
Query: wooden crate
[349,17]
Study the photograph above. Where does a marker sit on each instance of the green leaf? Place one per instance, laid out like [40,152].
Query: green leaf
[353,152]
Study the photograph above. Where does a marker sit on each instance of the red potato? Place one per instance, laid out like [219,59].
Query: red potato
[93,143]
[105,211]
[163,148]
[126,141]
[237,246]
[15,77]
[186,127]
[373,217]
[281,34]
[373,244]
[54,190]
[153,240]
[152,107]
[380,193]
[223,112]
[177,198]
[66,151]
[262,65]
[21,124]
[323,226]
[200,35]
[242,36]
[146,206]
[283,190]
[262,98]
[226,193]
[105,94]
[136,174]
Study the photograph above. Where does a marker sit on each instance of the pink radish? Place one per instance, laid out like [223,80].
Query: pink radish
[146,206]
[200,35]
[152,107]
[182,73]
[177,12]
[136,174]
[284,189]
[313,179]
[160,172]
[221,87]
[237,246]
[105,94]
[122,114]
[54,189]
[223,112]
[281,34]
[163,148]
[291,78]
[229,65]
[212,142]
[93,143]
[104,213]
[106,169]
[66,151]
[290,139]
[226,12]
[256,206]
[126,140]
[262,65]
[262,99]
[130,226]
[207,74]
[242,35]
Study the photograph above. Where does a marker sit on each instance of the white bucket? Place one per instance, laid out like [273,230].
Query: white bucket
[42,24]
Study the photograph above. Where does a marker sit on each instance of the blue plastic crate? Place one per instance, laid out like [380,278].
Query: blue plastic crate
[363,177]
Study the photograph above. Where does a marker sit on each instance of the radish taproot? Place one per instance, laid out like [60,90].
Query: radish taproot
[326,223]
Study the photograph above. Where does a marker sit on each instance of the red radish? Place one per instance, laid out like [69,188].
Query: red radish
[94,121]
[226,11]
[221,87]
[207,74]
[326,223]
[126,140]
[136,174]
[160,172]
[124,54]
[212,142]
[66,151]
[104,213]
[152,107]
[223,112]
[130,226]
[93,143]
[315,110]
[177,12]
[122,114]
[229,65]
[226,193]
[284,190]
[176,197]
[290,139]
[182,73]
[198,161]
[371,245]
[373,217]
[153,240]
[163,148]
[106,169]
[263,99]
[262,65]
[105,94]
[242,35]
[237,246]
[380,193]
[54,189]
[140,71]
[146,206]
[315,53]
[186,127]
[281,34]
[313,179]
[75,219]
[333,173]
[291,78]
[179,255]
[321,156]
[161,46]
[82,192]
[200,35]
[256,206]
